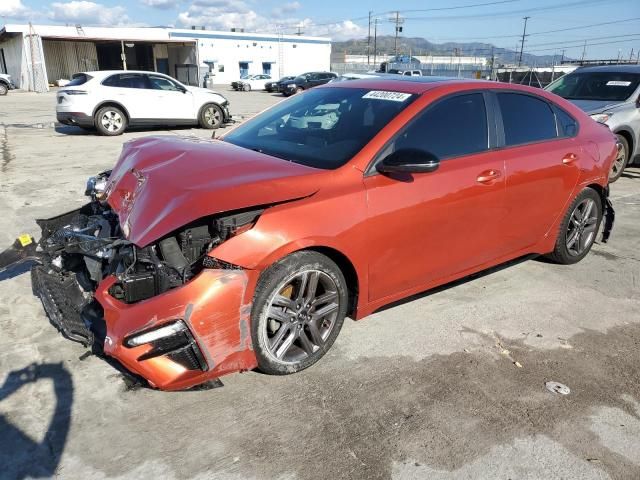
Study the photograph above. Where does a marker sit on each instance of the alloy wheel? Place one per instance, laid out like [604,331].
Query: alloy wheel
[301,316]
[111,121]
[212,116]
[619,162]
[581,231]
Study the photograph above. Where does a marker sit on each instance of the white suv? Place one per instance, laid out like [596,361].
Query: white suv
[109,101]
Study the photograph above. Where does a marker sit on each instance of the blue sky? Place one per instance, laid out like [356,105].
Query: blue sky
[499,23]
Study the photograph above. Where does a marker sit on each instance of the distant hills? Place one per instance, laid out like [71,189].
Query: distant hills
[421,46]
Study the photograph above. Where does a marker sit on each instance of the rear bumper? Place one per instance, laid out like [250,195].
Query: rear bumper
[75,118]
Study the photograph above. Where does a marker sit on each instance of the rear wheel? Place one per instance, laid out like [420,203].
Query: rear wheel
[622,158]
[298,310]
[579,228]
[3,89]
[110,121]
[211,116]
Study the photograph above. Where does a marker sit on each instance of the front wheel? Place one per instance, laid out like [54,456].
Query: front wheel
[579,228]
[621,160]
[298,310]
[211,116]
[246,87]
[299,89]
[110,121]
[3,89]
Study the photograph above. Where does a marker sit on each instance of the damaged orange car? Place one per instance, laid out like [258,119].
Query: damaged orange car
[195,258]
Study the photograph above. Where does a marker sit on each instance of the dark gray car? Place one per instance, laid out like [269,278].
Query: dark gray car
[610,95]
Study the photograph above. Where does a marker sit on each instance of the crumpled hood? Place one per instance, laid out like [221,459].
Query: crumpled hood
[595,106]
[163,183]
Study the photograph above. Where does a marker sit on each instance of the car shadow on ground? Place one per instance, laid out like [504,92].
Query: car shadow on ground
[71,130]
[22,456]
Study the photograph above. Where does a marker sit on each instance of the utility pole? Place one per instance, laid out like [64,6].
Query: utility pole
[493,59]
[562,58]
[398,22]
[369,41]
[584,51]
[524,34]
[375,42]
[631,55]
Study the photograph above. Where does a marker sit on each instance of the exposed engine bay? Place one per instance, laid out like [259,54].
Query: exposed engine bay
[80,248]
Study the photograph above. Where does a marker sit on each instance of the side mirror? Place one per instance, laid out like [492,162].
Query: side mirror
[408,160]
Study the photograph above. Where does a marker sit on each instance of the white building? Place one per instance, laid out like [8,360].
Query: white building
[39,55]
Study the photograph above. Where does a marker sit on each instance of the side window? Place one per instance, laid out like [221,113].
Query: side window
[450,128]
[112,81]
[566,125]
[162,83]
[126,80]
[526,119]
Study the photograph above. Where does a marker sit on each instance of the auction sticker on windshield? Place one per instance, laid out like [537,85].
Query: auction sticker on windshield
[617,83]
[390,96]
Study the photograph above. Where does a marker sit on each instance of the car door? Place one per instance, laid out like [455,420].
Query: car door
[542,165]
[131,91]
[430,226]
[171,100]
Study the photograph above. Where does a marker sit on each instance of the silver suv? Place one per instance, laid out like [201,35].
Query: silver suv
[610,95]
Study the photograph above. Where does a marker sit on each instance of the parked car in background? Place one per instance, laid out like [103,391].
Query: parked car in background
[254,82]
[305,82]
[274,86]
[6,83]
[111,101]
[610,95]
[236,83]
[406,73]
[197,259]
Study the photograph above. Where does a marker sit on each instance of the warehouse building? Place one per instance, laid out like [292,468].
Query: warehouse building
[37,56]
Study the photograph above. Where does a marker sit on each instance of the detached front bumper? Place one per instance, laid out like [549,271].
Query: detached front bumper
[212,306]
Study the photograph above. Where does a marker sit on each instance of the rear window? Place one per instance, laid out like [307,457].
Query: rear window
[79,79]
[526,119]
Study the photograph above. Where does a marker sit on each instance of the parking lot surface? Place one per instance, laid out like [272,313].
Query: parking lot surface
[448,385]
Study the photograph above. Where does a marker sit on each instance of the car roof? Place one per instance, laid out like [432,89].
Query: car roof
[106,73]
[416,85]
[611,69]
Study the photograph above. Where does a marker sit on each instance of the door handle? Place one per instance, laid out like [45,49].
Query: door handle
[489,176]
[569,158]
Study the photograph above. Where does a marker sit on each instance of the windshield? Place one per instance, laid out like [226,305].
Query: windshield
[322,128]
[603,86]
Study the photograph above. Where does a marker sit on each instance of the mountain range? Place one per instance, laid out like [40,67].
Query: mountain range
[421,46]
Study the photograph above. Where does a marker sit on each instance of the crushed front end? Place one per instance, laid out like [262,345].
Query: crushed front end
[168,312]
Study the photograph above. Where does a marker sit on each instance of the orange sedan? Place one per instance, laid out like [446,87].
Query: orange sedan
[195,259]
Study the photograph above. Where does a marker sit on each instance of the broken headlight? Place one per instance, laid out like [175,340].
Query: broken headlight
[97,185]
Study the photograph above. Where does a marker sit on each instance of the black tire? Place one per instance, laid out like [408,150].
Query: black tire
[299,89]
[110,121]
[566,254]
[211,116]
[282,277]
[620,163]
[3,89]
[246,87]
